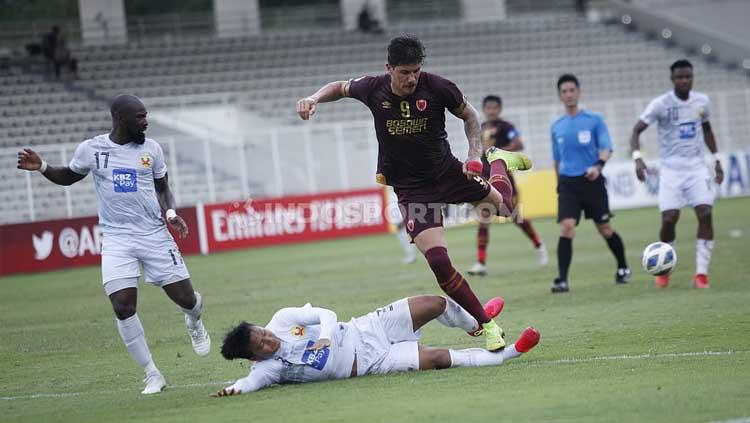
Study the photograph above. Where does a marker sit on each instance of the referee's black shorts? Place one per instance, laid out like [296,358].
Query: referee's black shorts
[576,193]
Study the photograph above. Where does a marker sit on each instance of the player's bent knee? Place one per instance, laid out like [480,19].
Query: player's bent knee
[436,304]
[123,310]
[605,230]
[567,231]
[433,359]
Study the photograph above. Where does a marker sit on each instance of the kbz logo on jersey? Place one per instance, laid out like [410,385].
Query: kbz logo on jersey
[126,180]
[315,358]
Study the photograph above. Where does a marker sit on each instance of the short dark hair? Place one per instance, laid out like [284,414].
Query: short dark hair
[567,77]
[405,50]
[682,63]
[237,342]
[492,98]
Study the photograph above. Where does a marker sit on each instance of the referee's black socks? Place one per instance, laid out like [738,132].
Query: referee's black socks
[564,255]
[618,249]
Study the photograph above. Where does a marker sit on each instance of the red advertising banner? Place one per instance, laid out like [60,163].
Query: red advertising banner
[57,244]
[262,222]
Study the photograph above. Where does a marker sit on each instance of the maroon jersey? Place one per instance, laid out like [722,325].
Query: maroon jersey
[497,133]
[413,148]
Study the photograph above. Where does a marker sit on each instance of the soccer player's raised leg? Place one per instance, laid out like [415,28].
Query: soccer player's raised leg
[425,308]
[191,303]
[501,162]
[667,233]
[704,245]
[131,330]
[431,242]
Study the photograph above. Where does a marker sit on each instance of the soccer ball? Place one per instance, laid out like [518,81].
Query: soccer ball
[659,259]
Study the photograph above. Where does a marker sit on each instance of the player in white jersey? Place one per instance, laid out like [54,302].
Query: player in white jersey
[683,123]
[307,344]
[130,177]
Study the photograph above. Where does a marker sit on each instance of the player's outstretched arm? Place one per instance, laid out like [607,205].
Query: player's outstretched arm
[710,140]
[60,175]
[168,204]
[330,92]
[635,147]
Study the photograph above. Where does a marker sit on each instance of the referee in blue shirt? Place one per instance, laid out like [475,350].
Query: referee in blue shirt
[581,146]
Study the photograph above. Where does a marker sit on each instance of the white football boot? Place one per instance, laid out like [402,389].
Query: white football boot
[541,255]
[478,269]
[199,337]
[155,383]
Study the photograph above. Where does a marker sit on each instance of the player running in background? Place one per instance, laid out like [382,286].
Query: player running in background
[581,147]
[497,132]
[683,124]
[130,177]
[414,157]
[307,344]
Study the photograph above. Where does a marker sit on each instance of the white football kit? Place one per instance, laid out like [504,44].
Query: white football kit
[684,177]
[382,341]
[129,212]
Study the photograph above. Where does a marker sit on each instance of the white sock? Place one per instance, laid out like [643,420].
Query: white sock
[406,245]
[477,357]
[131,331]
[703,249]
[194,314]
[456,317]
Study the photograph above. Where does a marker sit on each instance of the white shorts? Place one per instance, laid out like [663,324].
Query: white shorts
[678,188]
[122,256]
[388,342]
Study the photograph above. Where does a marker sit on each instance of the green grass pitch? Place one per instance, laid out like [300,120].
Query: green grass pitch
[608,353]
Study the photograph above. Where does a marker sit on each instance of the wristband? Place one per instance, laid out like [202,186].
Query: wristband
[636,154]
[474,166]
[601,163]
[43,167]
[171,214]
[715,156]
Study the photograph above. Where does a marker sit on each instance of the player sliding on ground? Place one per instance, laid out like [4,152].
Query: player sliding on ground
[307,344]
[130,177]
[408,108]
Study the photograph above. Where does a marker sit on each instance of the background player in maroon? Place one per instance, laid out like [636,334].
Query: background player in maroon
[497,132]
[414,156]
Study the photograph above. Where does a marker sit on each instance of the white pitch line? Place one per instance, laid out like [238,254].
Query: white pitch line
[99,392]
[560,361]
[640,357]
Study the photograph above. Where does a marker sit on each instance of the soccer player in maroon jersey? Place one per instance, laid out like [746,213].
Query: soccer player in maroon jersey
[414,157]
[497,132]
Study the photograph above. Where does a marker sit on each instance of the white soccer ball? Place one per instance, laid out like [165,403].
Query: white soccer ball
[659,259]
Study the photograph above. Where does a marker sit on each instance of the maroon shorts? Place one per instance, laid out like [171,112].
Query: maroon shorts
[422,207]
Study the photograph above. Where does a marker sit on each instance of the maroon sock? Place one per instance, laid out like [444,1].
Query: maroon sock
[483,238]
[500,180]
[453,284]
[526,227]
